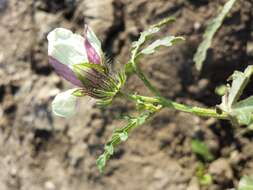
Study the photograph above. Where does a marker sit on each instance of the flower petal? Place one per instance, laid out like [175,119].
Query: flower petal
[65,72]
[92,46]
[64,104]
[66,47]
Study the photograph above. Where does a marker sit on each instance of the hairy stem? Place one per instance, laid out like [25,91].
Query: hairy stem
[204,112]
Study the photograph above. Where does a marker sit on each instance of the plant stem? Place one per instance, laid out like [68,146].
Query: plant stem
[145,80]
[159,99]
[204,112]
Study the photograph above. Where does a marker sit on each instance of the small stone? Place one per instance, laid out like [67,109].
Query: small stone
[194,184]
[250,48]
[3,4]
[221,171]
[235,157]
[49,185]
[197,25]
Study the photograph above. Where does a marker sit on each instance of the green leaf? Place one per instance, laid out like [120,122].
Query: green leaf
[123,136]
[120,135]
[201,149]
[240,81]
[101,162]
[144,36]
[243,110]
[206,179]
[210,31]
[64,104]
[165,21]
[167,41]
[152,30]
[246,183]
[109,148]
[203,177]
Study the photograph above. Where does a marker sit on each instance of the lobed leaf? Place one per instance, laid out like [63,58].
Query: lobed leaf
[144,36]
[149,32]
[118,136]
[210,31]
[167,41]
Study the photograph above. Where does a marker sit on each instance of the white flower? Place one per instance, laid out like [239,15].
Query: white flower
[66,49]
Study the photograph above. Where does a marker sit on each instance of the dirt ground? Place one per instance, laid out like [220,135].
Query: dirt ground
[42,152]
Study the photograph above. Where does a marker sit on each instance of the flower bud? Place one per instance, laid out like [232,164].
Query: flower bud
[92,46]
[80,60]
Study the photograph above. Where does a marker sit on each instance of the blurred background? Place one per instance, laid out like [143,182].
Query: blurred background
[39,151]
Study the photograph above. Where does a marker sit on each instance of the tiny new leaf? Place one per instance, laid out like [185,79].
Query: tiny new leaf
[201,149]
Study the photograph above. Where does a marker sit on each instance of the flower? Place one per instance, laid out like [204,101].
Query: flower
[80,60]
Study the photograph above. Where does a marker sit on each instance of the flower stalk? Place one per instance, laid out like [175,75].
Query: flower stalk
[167,103]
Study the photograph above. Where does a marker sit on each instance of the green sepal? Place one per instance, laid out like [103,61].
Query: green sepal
[97,67]
[79,93]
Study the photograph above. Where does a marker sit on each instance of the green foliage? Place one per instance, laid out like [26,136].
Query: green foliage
[148,109]
[201,149]
[120,135]
[243,110]
[210,31]
[109,86]
[246,183]
[144,37]
[203,177]
[239,111]
[167,41]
